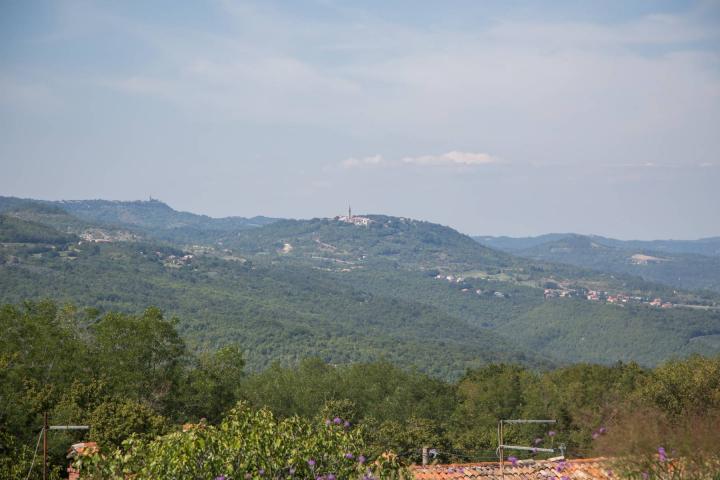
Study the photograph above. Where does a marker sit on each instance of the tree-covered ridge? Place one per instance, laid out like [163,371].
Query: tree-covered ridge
[331,302]
[150,218]
[704,246]
[285,311]
[17,230]
[386,241]
[351,292]
[569,330]
[132,378]
[391,243]
[399,242]
[692,265]
[275,312]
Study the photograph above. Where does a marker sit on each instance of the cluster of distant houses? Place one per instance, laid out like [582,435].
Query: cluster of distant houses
[174,260]
[467,289]
[354,219]
[96,235]
[605,297]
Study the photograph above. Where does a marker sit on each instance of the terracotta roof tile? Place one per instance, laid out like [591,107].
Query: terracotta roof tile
[583,469]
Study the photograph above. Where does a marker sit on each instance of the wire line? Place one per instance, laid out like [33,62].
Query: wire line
[32,464]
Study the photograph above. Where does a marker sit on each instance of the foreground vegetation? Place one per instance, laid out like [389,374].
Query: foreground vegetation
[133,380]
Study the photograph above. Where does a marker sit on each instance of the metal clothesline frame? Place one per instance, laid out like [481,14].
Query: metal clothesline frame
[45,429]
[501,445]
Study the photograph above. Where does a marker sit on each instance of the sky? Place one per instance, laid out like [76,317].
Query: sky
[494,117]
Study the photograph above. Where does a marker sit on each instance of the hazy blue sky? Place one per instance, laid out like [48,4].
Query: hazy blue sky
[494,117]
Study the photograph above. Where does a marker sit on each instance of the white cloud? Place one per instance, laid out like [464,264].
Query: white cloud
[374,160]
[540,90]
[453,158]
[449,159]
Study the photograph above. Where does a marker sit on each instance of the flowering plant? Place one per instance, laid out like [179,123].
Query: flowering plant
[247,445]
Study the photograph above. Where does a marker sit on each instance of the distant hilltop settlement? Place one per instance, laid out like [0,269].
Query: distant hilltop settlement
[354,219]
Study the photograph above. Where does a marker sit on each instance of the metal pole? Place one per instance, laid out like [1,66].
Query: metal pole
[502,461]
[45,446]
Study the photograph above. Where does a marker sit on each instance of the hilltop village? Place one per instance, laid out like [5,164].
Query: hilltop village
[354,219]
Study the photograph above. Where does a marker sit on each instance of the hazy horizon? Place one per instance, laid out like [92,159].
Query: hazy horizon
[361,213]
[494,118]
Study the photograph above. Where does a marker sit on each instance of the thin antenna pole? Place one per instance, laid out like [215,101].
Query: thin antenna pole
[45,446]
[502,442]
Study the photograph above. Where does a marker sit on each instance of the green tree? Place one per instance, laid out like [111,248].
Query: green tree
[140,357]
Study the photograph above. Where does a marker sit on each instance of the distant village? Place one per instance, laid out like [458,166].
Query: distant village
[354,219]
[556,291]
[477,291]
[605,297]
[97,235]
[564,292]
[176,261]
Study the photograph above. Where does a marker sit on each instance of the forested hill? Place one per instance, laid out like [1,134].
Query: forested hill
[373,287]
[679,263]
[151,218]
[391,241]
[17,230]
[705,246]
[275,313]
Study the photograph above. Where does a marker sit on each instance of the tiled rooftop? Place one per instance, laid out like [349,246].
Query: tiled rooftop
[584,469]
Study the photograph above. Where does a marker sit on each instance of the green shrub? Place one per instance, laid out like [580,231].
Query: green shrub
[247,444]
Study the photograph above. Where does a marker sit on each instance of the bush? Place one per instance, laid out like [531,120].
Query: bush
[248,444]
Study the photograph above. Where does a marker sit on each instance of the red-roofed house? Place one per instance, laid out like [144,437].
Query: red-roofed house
[582,469]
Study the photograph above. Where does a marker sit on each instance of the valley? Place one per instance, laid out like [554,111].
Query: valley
[418,294]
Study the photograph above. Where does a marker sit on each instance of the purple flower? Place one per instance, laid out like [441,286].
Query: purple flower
[330,476]
[661,454]
[292,471]
[349,456]
[564,477]
[346,424]
[221,477]
[361,459]
[337,420]
[538,441]
[534,450]
[513,461]
[551,433]
[595,435]
[560,467]
[602,431]
[328,422]
[261,472]
[645,475]
[311,462]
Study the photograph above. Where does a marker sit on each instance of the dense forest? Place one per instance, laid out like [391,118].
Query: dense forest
[292,289]
[132,377]
[691,265]
[410,334]
[284,311]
